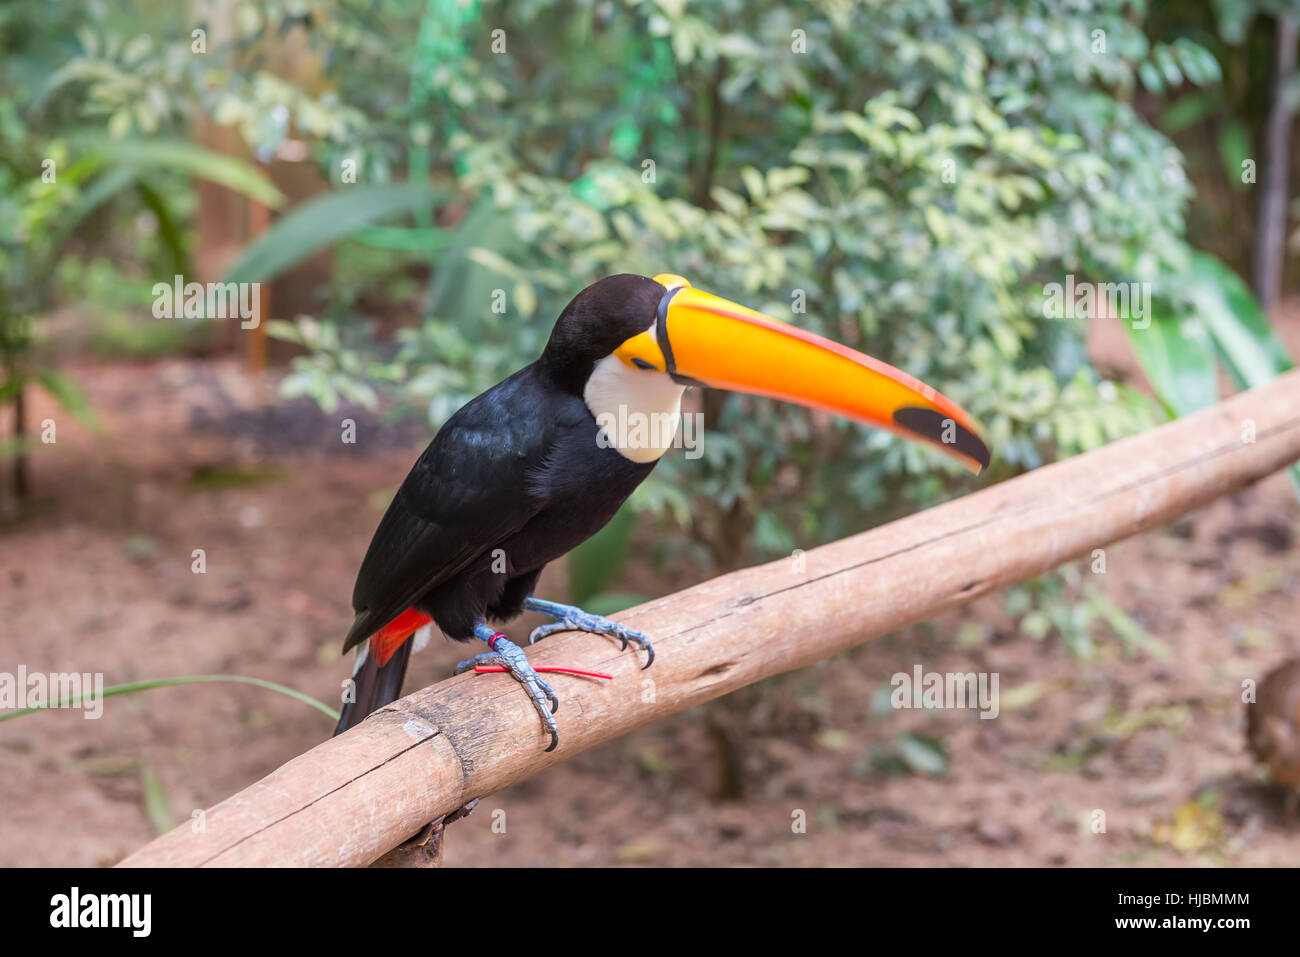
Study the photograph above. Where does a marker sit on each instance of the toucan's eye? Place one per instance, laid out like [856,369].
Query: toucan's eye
[641,352]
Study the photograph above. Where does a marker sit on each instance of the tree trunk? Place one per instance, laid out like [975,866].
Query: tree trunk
[22,483]
[1270,238]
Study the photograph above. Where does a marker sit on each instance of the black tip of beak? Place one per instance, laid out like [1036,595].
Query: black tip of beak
[944,431]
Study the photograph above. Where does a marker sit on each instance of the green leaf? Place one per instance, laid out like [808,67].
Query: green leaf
[169,230]
[1135,637]
[156,806]
[403,239]
[1234,149]
[923,754]
[100,191]
[1150,77]
[489,259]
[1168,66]
[461,286]
[1188,111]
[135,686]
[1251,349]
[13,446]
[1177,361]
[68,394]
[322,222]
[233,173]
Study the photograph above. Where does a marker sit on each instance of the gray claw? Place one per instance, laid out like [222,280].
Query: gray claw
[621,632]
[543,697]
[487,658]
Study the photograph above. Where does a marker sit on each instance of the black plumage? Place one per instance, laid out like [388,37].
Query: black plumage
[512,481]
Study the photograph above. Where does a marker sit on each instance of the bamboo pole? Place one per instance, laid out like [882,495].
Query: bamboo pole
[352,798]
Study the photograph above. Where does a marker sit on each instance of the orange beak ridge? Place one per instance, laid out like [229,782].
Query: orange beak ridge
[711,341]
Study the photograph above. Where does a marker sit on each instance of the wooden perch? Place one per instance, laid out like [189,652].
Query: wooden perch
[352,798]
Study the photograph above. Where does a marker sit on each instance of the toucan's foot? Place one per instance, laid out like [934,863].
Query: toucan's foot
[573,618]
[507,654]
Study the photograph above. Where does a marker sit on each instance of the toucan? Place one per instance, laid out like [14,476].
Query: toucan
[538,463]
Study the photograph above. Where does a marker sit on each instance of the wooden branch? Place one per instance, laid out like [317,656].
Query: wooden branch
[353,797]
[425,849]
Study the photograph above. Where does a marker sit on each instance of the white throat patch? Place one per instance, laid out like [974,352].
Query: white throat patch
[638,410]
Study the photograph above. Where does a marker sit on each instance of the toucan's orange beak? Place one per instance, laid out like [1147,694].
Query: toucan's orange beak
[708,340]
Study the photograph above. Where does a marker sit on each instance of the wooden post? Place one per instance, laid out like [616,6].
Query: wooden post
[352,798]
[259,221]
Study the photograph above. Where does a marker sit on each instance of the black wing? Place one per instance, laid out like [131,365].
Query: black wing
[468,492]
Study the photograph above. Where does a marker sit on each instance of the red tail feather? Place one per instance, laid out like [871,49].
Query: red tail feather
[385,642]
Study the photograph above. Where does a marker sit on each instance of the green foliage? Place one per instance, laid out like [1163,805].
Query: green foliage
[322,222]
[1206,317]
[113,325]
[903,177]
[156,805]
[146,156]
[911,190]
[1172,64]
[911,754]
[1244,341]
[136,686]
[40,214]
[1061,603]
[57,175]
[1250,349]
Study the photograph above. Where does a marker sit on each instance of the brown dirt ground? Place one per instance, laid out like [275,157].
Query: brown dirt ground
[97,578]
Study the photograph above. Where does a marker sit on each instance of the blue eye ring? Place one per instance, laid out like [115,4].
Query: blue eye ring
[642,364]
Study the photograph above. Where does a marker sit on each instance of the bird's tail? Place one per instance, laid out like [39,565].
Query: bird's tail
[374,685]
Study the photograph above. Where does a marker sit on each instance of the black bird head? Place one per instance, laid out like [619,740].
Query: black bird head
[633,343]
[596,322]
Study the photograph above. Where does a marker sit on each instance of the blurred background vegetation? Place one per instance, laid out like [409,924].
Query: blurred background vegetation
[904,176]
